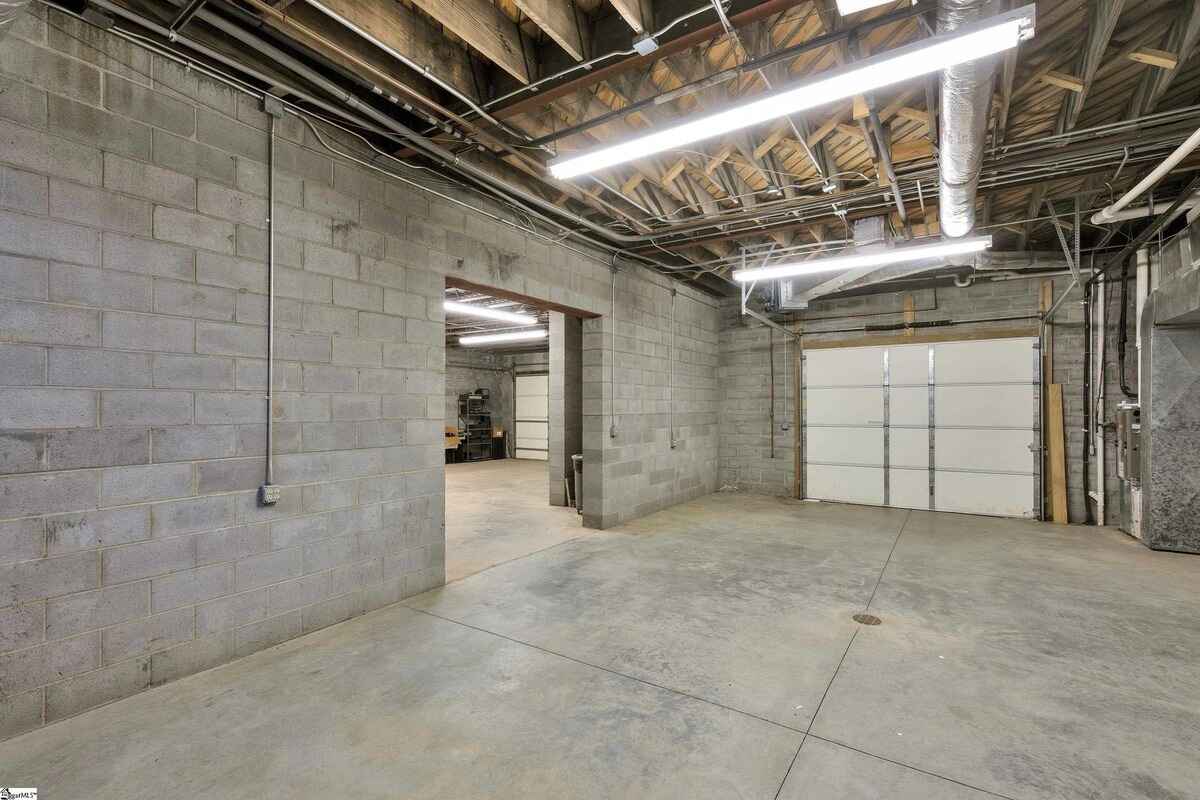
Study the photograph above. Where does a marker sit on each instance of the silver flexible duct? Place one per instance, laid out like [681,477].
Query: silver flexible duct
[966,91]
[10,12]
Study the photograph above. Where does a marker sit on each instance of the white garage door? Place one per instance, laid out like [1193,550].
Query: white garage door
[532,417]
[950,426]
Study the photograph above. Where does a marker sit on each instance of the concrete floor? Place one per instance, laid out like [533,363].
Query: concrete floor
[706,651]
[500,510]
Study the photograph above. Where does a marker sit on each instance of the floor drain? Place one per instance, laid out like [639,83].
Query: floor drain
[867,619]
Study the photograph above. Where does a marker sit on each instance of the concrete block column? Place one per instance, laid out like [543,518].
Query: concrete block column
[566,401]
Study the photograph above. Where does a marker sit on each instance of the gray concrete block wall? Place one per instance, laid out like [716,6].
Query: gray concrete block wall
[745,462]
[566,402]
[132,344]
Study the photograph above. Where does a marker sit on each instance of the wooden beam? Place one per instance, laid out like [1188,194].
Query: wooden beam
[634,12]
[1062,80]
[1155,58]
[1181,38]
[773,138]
[852,131]
[557,19]
[825,128]
[395,28]
[480,24]
[913,115]
[859,107]
[673,171]
[1102,21]
[912,150]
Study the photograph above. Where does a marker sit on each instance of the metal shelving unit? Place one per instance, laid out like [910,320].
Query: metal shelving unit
[477,426]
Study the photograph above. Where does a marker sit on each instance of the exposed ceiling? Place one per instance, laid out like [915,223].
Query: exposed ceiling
[466,325]
[1102,91]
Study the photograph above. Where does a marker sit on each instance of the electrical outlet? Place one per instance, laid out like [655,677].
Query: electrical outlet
[268,494]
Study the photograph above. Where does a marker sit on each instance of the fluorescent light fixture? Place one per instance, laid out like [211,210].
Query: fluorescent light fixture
[489,338]
[877,258]
[854,6]
[968,43]
[488,313]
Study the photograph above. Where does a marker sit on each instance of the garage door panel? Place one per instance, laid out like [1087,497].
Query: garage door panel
[908,447]
[845,445]
[985,420]
[1003,406]
[844,406]
[845,484]
[984,450]
[987,361]
[908,406]
[984,493]
[533,407]
[908,365]
[908,488]
[854,366]
[531,428]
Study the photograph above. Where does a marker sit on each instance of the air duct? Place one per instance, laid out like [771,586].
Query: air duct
[966,92]
[10,12]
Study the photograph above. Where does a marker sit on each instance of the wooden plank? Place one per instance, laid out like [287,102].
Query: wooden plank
[772,139]
[825,128]
[1056,440]
[912,150]
[483,26]
[673,171]
[634,12]
[1062,80]
[913,114]
[1102,21]
[859,107]
[634,181]
[557,19]
[392,27]
[910,315]
[1155,58]
[852,131]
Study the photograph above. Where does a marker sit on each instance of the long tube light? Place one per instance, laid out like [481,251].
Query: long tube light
[473,310]
[967,43]
[879,258]
[854,6]
[490,338]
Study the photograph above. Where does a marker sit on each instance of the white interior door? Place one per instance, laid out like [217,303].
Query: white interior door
[532,417]
[950,426]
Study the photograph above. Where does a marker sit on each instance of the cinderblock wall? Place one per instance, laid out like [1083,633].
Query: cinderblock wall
[132,345]
[745,367]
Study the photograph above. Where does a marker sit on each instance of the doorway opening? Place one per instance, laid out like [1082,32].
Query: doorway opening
[513,420]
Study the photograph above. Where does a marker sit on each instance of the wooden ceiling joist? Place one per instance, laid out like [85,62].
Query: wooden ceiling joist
[1102,21]
[635,12]
[483,26]
[557,18]
[394,28]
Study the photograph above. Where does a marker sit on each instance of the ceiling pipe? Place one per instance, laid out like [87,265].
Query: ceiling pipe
[1108,213]
[966,94]
[10,12]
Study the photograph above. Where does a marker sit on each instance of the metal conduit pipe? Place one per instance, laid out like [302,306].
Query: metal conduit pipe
[10,12]
[965,101]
